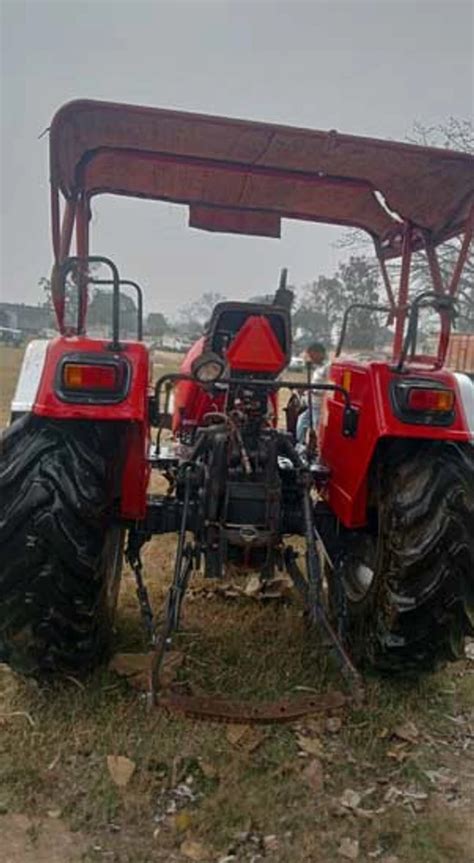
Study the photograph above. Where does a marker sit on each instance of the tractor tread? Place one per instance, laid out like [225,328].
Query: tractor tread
[427,560]
[56,541]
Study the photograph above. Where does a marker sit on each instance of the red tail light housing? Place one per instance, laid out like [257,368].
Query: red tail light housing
[92,379]
[423,402]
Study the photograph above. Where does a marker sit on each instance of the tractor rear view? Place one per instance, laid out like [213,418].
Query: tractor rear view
[382,494]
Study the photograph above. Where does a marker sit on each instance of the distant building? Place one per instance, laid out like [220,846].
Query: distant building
[29,319]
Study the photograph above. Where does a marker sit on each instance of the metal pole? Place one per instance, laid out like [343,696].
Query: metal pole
[403,290]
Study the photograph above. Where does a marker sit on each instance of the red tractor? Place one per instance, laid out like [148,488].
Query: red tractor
[385,503]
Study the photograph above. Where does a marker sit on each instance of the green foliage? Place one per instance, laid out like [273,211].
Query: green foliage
[319,315]
[156,324]
[359,285]
[72,297]
[320,311]
[100,309]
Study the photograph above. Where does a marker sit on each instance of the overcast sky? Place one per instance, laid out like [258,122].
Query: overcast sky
[370,67]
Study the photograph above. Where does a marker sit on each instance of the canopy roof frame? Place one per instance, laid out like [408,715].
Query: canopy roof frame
[244,177]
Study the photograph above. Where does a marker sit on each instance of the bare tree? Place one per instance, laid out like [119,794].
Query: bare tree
[453,134]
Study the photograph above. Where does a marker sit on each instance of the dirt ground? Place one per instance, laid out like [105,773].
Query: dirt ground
[390,781]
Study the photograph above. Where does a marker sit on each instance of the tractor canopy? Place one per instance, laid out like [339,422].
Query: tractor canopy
[244,177]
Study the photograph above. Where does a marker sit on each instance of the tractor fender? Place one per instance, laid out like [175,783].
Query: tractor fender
[350,458]
[29,378]
[466,395]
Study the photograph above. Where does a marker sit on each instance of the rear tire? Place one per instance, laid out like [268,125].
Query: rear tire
[60,553]
[409,586]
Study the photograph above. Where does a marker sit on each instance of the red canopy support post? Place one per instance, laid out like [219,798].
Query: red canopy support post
[438,286]
[402,303]
[433,263]
[62,243]
[55,221]
[67,228]
[463,253]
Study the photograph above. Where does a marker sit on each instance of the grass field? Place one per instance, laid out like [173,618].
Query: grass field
[392,781]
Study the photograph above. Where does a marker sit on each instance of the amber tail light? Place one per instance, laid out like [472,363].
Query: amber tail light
[81,376]
[423,402]
[419,399]
[92,379]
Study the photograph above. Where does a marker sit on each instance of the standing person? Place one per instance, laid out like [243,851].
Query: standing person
[315,355]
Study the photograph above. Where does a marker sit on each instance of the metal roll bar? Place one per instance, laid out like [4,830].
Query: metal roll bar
[75,263]
[139,292]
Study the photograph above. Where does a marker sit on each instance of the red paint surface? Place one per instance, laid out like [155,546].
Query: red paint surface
[350,458]
[133,408]
[134,405]
[256,348]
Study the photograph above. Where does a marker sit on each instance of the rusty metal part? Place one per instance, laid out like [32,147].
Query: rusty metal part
[218,709]
[133,557]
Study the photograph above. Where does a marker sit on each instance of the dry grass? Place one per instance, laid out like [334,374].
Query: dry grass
[54,741]
[10,362]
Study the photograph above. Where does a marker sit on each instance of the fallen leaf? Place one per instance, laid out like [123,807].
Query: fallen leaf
[398,752]
[280,587]
[469,649]
[253,586]
[414,794]
[247,737]
[368,814]
[121,769]
[208,769]
[443,778]
[54,813]
[270,843]
[229,590]
[311,726]
[194,850]
[350,799]
[310,745]
[181,821]
[349,848]
[313,775]
[135,667]
[171,662]
[407,732]
[235,733]
[392,794]
[333,724]
[128,664]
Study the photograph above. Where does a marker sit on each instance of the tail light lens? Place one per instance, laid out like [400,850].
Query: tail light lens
[92,379]
[423,402]
[81,376]
[419,399]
